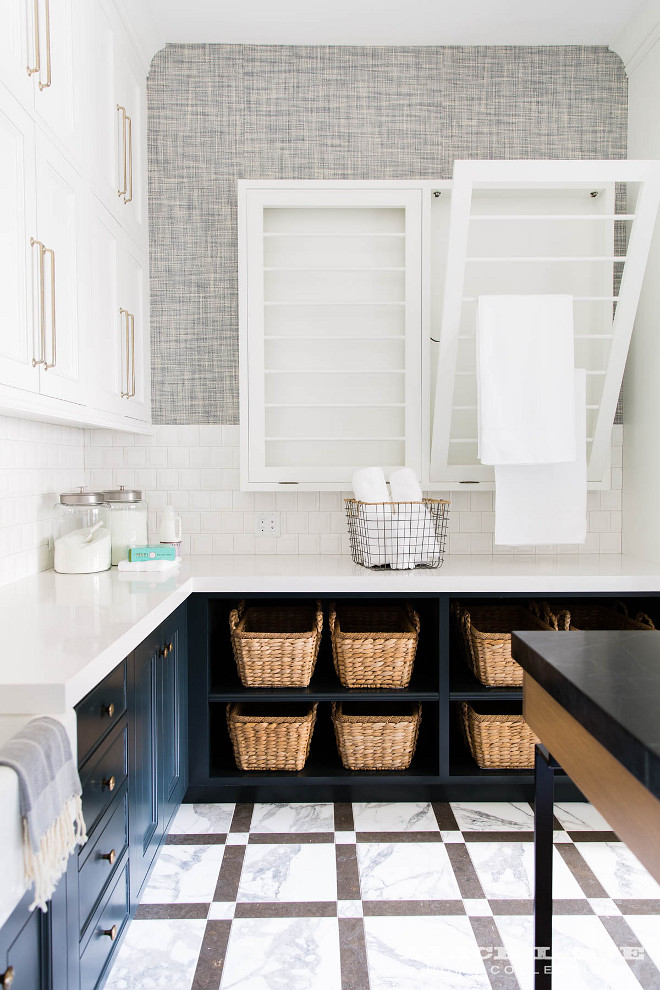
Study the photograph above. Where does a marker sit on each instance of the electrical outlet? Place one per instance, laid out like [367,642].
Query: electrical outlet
[268,524]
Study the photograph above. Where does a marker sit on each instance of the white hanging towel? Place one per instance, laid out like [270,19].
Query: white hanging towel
[546,503]
[525,368]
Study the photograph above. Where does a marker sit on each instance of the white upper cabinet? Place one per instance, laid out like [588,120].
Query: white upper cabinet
[17,347]
[330,331]
[74,329]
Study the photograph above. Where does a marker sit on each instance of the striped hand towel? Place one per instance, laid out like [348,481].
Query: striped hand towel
[50,799]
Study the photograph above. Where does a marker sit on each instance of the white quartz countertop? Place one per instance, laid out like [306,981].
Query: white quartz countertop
[63,633]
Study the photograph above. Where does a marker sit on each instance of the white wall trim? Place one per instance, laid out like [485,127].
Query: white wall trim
[639,36]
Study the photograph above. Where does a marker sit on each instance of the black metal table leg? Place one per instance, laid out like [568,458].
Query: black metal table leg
[544,780]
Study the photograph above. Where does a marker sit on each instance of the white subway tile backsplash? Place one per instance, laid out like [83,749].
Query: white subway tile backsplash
[195,469]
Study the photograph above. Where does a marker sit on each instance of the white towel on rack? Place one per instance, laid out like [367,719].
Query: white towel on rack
[525,364]
[546,503]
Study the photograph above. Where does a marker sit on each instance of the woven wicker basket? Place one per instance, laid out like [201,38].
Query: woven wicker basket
[595,615]
[382,741]
[276,645]
[271,742]
[498,742]
[373,646]
[486,633]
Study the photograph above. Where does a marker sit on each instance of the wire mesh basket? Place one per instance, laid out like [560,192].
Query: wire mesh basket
[398,535]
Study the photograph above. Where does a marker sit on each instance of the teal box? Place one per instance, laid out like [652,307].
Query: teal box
[157,552]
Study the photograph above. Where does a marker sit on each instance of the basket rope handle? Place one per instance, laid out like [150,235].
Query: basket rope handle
[319,617]
[466,626]
[236,615]
[413,616]
[645,619]
[622,608]
[560,622]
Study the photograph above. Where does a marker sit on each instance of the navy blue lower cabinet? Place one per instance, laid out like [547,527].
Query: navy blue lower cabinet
[158,755]
[24,949]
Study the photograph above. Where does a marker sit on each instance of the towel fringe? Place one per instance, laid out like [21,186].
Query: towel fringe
[45,865]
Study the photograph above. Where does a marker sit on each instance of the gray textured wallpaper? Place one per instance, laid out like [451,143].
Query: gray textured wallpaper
[218,113]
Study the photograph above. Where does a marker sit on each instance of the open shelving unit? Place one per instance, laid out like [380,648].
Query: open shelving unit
[442,768]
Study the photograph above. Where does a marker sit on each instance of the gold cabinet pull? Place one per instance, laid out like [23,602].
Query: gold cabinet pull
[129,192]
[109,710]
[132,319]
[125,316]
[164,651]
[111,856]
[108,782]
[111,933]
[45,85]
[122,110]
[42,306]
[7,978]
[31,69]
[53,328]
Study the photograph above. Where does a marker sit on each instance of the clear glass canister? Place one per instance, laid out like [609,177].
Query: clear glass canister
[82,537]
[128,521]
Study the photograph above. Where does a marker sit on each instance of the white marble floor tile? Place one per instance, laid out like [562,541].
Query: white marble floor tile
[349,909]
[477,907]
[406,816]
[345,838]
[289,872]
[406,871]
[452,836]
[619,871]
[506,869]
[195,819]
[438,953]
[293,818]
[579,816]
[237,838]
[278,953]
[493,816]
[604,906]
[184,874]
[585,957]
[222,911]
[647,929]
[157,954]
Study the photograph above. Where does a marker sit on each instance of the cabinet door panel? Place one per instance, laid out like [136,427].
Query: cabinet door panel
[107,325]
[172,718]
[144,768]
[131,148]
[102,114]
[17,185]
[22,948]
[134,297]
[61,77]
[17,48]
[60,222]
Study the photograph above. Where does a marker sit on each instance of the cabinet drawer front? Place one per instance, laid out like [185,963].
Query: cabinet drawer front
[103,775]
[115,912]
[103,859]
[100,710]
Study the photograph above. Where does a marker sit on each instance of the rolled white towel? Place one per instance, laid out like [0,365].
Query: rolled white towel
[369,485]
[404,486]
[412,538]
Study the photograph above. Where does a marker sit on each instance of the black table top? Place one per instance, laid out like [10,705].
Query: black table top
[610,683]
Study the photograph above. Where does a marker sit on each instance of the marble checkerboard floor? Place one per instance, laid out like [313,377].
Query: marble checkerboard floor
[386,897]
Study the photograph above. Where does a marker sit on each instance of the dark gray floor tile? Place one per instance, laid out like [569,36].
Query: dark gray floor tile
[344,821]
[171,912]
[196,839]
[242,818]
[589,884]
[444,816]
[464,871]
[348,875]
[586,836]
[287,909]
[644,969]
[498,836]
[290,838]
[230,874]
[212,956]
[399,837]
[353,954]
[638,906]
[407,909]
[513,906]
[498,966]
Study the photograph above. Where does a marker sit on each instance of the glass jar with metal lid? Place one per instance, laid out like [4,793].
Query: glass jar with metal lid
[128,520]
[82,538]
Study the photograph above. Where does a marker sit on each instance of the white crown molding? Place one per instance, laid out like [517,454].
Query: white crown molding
[639,36]
[142,27]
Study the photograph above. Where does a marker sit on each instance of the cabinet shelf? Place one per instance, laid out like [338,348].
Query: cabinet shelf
[333,268]
[334,233]
[333,302]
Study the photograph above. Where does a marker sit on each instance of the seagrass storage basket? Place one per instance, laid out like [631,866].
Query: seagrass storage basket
[264,740]
[398,535]
[486,634]
[375,736]
[373,646]
[498,741]
[276,645]
[593,615]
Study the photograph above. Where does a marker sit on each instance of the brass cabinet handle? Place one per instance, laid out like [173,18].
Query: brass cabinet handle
[109,710]
[45,85]
[108,782]
[129,192]
[7,978]
[53,329]
[111,856]
[111,933]
[31,69]
[164,651]
[132,319]
[122,110]
[171,647]
[42,305]
[125,316]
